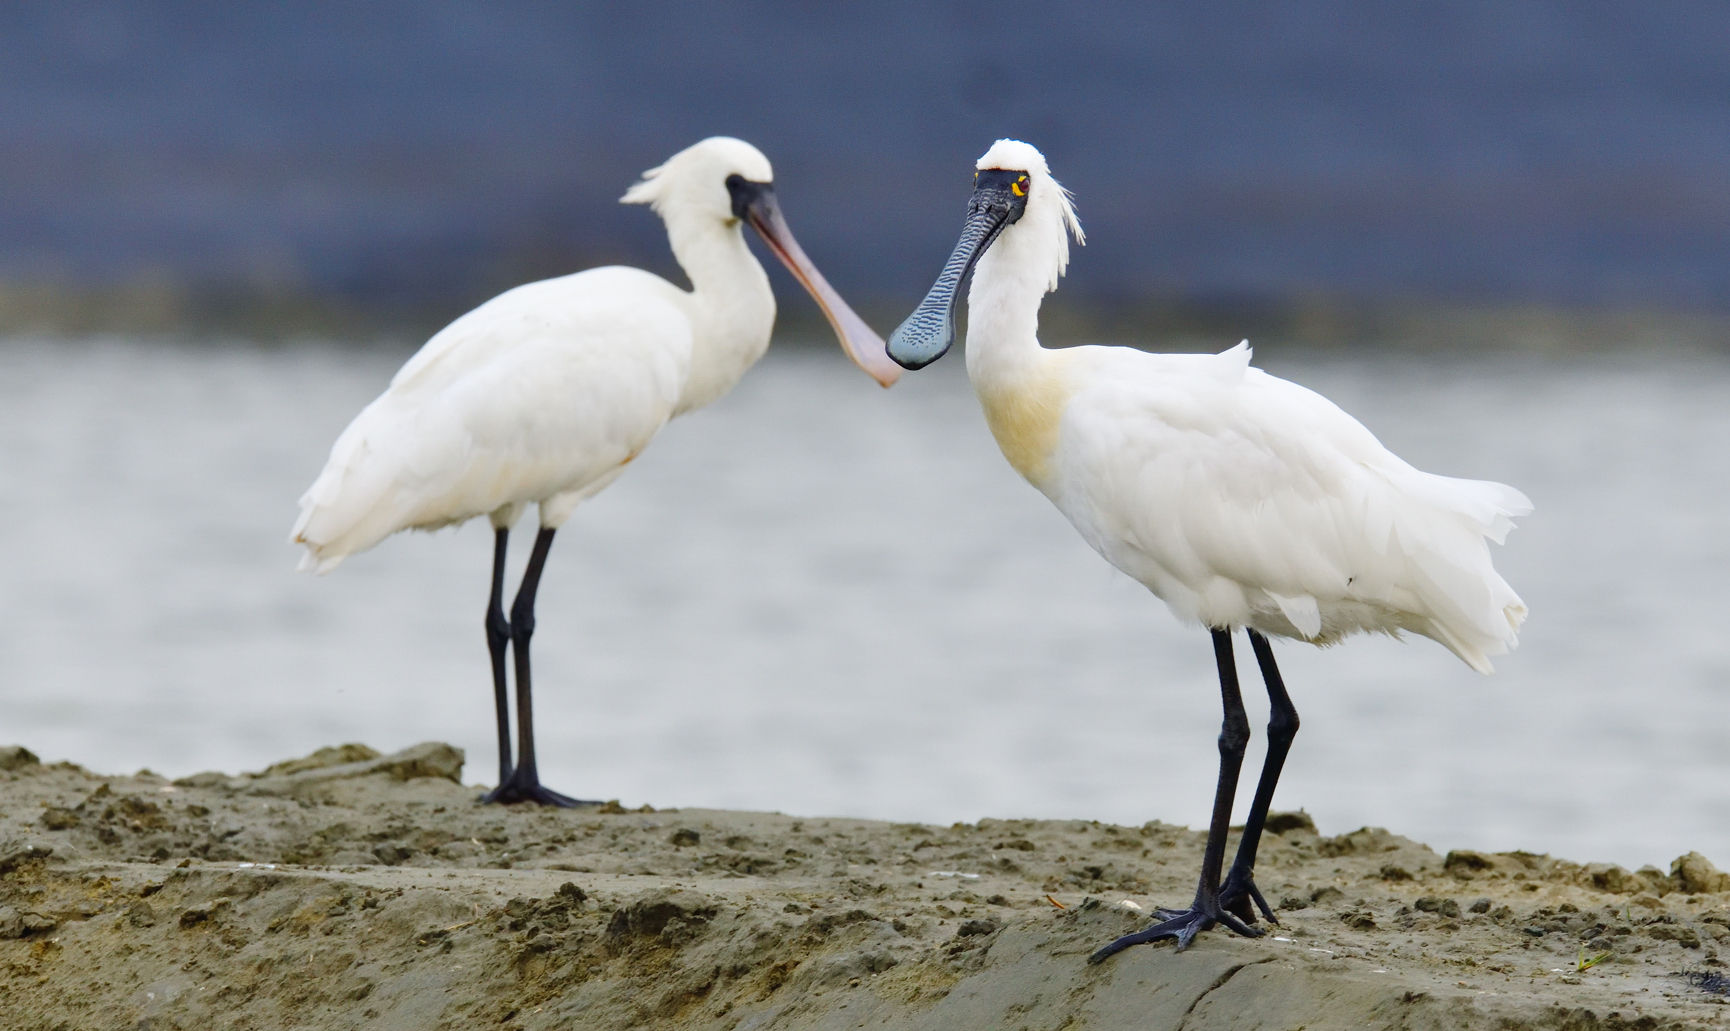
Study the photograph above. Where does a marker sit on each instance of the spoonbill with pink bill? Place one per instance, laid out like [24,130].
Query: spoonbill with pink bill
[545,393]
[1243,501]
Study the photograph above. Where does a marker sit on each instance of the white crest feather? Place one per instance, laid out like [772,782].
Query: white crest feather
[645,190]
[694,175]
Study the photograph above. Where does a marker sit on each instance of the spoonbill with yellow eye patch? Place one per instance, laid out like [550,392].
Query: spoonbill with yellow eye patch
[545,393]
[1242,500]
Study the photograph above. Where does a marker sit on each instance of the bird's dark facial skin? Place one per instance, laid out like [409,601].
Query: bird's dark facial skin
[745,194]
[999,199]
[1004,186]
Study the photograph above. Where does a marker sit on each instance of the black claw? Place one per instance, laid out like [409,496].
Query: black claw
[1182,925]
[1237,893]
[524,789]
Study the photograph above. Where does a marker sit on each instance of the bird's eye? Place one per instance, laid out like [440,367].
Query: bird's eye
[1019,186]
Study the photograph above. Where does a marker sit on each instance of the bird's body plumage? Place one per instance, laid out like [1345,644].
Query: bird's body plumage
[1245,500]
[541,395]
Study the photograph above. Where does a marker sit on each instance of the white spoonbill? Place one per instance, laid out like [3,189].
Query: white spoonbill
[1241,500]
[546,392]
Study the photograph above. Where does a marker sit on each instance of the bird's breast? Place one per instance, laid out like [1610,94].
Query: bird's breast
[1025,418]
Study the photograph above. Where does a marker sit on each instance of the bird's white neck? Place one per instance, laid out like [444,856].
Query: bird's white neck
[1021,385]
[1003,321]
[733,307]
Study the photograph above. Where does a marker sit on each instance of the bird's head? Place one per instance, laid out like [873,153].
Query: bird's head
[1020,215]
[728,181]
[696,178]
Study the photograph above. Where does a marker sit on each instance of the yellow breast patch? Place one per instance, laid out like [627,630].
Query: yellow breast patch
[1025,420]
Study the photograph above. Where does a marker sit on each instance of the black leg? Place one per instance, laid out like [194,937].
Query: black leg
[1239,890]
[524,784]
[523,628]
[1205,911]
[498,640]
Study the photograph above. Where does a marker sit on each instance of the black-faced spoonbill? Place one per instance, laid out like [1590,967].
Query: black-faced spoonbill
[545,393]
[1241,500]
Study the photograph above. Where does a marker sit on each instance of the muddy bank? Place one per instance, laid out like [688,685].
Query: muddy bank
[348,889]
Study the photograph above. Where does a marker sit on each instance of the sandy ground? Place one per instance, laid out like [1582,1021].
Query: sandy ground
[349,889]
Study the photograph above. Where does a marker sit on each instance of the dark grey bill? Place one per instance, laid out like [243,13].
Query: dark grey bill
[999,198]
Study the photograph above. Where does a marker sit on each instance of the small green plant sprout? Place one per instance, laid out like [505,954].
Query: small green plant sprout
[1585,962]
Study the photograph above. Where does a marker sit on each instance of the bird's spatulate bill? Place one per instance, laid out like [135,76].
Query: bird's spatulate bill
[861,343]
[928,333]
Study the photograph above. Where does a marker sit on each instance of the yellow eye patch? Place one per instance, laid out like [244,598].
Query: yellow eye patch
[1019,186]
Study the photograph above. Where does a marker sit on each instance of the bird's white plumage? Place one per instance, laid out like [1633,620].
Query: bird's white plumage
[1240,499]
[544,393]
[540,395]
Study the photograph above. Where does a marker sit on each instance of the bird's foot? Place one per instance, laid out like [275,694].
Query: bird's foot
[519,788]
[1238,891]
[1182,925]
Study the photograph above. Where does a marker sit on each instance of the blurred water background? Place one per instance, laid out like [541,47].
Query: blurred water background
[1496,232]
[825,598]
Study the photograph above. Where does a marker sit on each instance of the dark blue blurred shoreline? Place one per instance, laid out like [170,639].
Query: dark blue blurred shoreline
[1311,326]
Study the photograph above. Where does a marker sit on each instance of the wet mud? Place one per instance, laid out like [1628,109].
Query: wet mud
[350,889]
